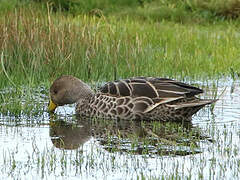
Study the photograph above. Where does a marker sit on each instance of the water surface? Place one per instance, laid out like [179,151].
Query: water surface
[64,146]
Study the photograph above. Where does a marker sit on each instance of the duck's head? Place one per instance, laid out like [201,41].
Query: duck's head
[67,90]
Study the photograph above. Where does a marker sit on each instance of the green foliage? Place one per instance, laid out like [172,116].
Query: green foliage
[38,47]
[216,8]
[156,10]
[220,9]
[86,6]
[6,5]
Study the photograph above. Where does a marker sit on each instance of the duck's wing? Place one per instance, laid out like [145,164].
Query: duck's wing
[161,88]
[150,92]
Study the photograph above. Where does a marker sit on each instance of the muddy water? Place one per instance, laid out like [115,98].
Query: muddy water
[64,146]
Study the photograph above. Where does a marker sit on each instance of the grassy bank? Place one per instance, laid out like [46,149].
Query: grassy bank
[38,44]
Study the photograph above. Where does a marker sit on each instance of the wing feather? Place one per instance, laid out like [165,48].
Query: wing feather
[159,90]
[150,87]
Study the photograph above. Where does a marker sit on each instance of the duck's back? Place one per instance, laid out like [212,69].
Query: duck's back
[144,98]
[149,87]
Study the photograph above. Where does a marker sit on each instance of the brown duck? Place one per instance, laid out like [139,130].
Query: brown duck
[144,98]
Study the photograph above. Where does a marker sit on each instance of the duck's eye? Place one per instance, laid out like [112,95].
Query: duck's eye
[55,91]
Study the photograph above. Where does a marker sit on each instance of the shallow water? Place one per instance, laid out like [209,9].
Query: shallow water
[63,146]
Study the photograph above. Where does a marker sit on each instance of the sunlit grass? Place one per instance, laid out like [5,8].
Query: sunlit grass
[38,47]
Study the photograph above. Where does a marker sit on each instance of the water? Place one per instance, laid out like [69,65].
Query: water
[40,146]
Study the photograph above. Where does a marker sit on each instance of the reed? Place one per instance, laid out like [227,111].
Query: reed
[38,45]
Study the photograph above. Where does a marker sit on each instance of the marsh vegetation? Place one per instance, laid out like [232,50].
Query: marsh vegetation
[196,42]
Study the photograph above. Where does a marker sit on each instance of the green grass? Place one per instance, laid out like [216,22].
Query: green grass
[172,9]
[23,102]
[39,45]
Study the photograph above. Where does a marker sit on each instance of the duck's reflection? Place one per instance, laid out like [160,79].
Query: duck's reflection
[136,137]
[66,135]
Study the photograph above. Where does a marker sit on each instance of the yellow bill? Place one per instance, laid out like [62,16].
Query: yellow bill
[51,106]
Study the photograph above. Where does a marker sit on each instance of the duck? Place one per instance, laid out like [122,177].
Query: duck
[136,98]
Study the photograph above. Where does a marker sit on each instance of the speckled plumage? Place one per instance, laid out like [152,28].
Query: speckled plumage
[135,98]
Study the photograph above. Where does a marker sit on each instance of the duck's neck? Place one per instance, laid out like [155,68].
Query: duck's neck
[84,91]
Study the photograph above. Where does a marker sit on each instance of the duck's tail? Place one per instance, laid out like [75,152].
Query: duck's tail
[195,103]
[191,107]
